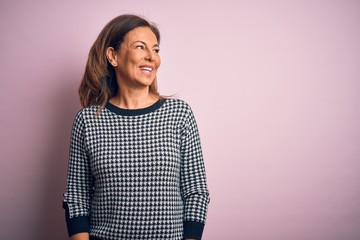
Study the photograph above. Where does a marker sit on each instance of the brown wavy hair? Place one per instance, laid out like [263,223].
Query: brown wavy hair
[99,81]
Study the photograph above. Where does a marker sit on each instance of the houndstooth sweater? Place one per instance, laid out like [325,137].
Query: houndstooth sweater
[136,174]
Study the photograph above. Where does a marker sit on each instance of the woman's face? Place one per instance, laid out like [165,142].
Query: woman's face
[138,58]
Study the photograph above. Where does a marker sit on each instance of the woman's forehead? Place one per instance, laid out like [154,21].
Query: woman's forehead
[144,34]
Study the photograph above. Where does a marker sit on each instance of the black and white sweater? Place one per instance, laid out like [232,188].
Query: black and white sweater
[136,174]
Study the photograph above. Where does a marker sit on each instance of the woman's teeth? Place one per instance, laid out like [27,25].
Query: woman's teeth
[146,69]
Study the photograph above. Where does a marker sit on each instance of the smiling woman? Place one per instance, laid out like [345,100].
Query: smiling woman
[136,168]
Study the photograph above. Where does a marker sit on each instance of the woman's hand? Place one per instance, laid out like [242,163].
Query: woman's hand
[80,236]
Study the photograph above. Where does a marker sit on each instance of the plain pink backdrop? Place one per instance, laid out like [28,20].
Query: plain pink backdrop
[275,87]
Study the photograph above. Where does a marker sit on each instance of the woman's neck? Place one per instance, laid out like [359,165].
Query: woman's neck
[134,99]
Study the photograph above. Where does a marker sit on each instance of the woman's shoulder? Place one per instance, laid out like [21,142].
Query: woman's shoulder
[86,113]
[177,103]
[90,110]
[177,107]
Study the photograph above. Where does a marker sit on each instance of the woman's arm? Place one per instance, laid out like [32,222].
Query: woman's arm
[193,179]
[77,198]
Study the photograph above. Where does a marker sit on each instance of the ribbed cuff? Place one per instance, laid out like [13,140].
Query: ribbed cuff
[193,229]
[76,224]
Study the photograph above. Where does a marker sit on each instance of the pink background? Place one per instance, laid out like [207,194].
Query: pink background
[275,87]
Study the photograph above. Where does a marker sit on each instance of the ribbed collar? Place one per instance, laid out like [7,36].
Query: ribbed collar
[135,112]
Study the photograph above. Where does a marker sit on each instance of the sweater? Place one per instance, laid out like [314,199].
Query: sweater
[136,174]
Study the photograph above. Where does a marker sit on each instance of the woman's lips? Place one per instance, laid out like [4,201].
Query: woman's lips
[147,69]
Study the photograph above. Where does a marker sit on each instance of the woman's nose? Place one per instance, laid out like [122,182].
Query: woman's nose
[150,55]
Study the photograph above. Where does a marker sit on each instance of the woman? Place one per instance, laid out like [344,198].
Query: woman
[136,169]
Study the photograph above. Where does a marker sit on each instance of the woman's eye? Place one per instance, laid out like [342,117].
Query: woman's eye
[140,47]
[156,50]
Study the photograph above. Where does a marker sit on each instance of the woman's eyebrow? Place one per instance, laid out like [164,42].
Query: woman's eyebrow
[139,41]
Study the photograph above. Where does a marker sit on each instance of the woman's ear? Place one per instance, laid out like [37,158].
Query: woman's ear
[111,56]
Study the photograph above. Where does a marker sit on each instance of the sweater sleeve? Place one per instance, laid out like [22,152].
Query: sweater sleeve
[194,189]
[79,182]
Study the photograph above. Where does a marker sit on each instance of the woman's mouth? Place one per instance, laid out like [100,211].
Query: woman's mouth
[146,69]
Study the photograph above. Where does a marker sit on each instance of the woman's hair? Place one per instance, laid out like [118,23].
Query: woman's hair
[99,82]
